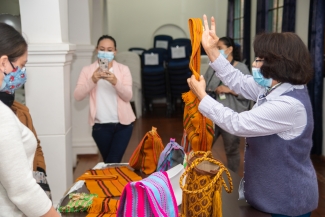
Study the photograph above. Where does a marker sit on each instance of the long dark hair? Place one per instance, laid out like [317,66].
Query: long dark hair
[229,42]
[12,43]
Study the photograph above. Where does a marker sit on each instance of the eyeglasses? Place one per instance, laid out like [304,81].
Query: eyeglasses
[256,60]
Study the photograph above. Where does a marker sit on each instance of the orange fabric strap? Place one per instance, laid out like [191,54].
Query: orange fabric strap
[108,182]
[196,30]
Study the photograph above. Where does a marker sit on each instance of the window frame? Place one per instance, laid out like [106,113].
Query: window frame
[271,9]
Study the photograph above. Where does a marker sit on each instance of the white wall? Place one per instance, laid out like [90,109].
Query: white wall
[9,7]
[135,23]
[302,19]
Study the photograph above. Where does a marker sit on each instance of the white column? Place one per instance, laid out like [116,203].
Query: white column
[45,27]
[85,27]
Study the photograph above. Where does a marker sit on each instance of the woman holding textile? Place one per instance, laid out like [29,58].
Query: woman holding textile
[279,177]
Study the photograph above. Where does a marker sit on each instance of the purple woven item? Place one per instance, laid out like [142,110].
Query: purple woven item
[172,155]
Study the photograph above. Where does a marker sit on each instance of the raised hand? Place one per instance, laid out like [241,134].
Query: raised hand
[210,39]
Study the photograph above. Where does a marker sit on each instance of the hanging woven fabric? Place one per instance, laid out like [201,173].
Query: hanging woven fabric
[198,130]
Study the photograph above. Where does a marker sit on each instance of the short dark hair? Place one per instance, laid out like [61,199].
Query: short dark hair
[12,43]
[286,57]
[106,37]
[229,42]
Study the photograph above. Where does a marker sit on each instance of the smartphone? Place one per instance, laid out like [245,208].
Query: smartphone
[103,64]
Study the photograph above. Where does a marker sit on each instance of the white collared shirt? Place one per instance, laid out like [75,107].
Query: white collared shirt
[273,114]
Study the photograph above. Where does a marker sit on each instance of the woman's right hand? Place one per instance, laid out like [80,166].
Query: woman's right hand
[210,39]
[96,75]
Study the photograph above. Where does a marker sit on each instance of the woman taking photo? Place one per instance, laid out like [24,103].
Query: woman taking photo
[109,85]
[20,195]
[279,177]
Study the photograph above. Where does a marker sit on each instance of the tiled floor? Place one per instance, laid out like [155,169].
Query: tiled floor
[172,127]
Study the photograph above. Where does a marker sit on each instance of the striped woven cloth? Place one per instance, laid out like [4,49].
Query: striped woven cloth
[153,196]
[108,182]
[103,207]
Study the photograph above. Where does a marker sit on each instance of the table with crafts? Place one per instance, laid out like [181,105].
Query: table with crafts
[231,206]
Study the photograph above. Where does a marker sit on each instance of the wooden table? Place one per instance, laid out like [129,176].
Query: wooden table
[231,206]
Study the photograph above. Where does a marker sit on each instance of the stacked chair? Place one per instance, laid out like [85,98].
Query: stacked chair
[162,41]
[154,82]
[164,70]
[137,50]
[178,68]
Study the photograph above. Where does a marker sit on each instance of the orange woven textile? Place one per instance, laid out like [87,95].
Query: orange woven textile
[198,130]
[103,207]
[108,182]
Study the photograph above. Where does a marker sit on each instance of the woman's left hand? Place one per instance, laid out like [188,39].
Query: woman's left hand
[197,87]
[110,77]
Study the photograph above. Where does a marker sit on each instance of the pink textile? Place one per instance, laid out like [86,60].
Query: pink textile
[152,196]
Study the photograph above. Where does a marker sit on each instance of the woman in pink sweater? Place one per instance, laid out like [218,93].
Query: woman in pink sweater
[109,87]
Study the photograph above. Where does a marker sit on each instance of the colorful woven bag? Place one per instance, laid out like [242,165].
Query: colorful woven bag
[202,189]
[198,130]
[172,155]
[145,156]
[150,197]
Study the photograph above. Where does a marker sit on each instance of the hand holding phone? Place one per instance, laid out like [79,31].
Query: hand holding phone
[103,64]
[96,75]
[110,77]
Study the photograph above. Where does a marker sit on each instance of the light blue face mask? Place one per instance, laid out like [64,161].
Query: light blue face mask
[105,55]
[222,52]
[258,77]
[3,85]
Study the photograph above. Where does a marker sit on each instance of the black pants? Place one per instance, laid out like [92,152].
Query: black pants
[112,140]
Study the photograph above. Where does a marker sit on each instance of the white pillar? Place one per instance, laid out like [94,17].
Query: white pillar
[45,27]
[85,27]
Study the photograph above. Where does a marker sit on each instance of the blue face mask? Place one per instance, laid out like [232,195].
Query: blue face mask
[3,85]
[105,55]
[258,77]
[222,52]
[14,80]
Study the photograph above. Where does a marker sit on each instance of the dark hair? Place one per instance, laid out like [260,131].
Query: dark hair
[106,37]
[12,43]
[229,42]
[286,58]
